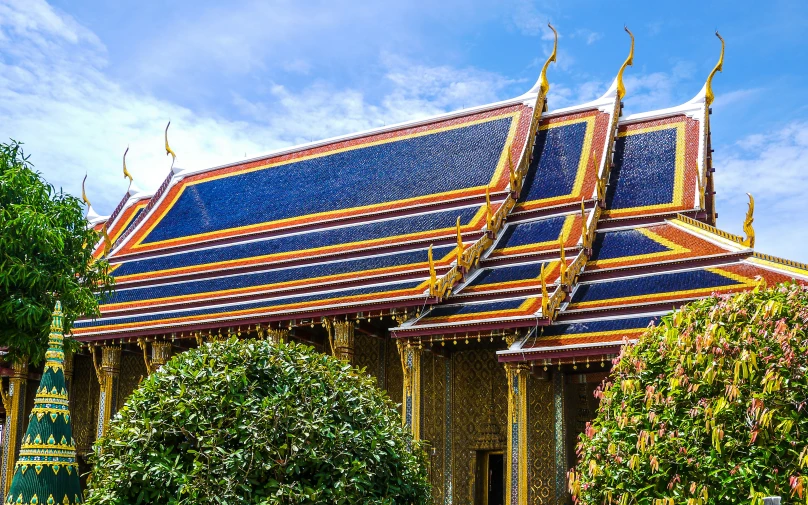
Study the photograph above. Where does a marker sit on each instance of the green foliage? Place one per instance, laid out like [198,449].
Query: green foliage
[45,254]
[243,422]
[708,407]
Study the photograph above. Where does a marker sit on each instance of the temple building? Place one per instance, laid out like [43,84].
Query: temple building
[484,265]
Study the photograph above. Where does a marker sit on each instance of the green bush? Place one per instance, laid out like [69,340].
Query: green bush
[707,407]
[242,422]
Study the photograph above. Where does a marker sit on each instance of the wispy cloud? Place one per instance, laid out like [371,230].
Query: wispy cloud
[773,166]
[56,97]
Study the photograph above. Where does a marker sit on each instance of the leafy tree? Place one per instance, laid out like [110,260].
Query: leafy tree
[254,422]
[707,407]
[45,254]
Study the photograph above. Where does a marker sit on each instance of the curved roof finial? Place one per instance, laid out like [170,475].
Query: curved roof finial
[84,193]
[621,89]
[544,84]
[709,97]
[168,149]
[748,230]
[126,173]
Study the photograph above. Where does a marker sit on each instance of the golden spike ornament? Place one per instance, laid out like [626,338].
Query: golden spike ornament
[621,88]
[107,240]
[749,241]
[563,263]
[544,84]
[709,96]
[84,193]
[433,276]
[488,212]
[515,182]
[544,296]
[168,149]
[126,174]
[460,248]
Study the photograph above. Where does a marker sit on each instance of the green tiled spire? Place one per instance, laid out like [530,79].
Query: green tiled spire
[46,472]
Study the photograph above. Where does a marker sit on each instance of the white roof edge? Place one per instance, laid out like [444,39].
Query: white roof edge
[605,103]
[506,352]
[694,108]
[93,217]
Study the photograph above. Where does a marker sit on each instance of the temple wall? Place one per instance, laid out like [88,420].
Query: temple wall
[84,402]
[133,370]
[541,469]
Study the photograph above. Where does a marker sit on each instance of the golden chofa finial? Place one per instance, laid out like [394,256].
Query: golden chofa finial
[107,240]
[544,84]
[621,88]
[84,193]
[709,96]
[749,241]
[126,174]
[168,149]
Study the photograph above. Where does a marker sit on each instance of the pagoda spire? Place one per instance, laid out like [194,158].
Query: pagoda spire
[47,471]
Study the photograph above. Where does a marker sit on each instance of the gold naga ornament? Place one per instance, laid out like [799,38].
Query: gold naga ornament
[84,192]
[168,148]
[544,84]
[621,88]
[748,230]
[709,96]
[126,174]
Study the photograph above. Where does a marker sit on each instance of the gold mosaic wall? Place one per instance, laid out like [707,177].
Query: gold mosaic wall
[366,355]
[133,370]
[433,411]
[394,379]
[479,390]
[541,442]
[84,403]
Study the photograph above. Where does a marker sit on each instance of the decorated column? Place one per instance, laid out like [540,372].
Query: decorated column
[107,374]
[14,403]
[46,471]
[410,353]
[160,354]
[516,455]
[341,338]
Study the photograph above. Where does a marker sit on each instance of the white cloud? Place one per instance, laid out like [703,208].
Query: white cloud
[773,166]
[74,118]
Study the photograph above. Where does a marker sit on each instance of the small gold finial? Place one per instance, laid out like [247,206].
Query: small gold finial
[107,240]
[488,213]
[433,277]
[749,241]
[84,193]
[544,84]
[460,247]
[621,88]
[563,264]
[709,96]
[168,149]
[544,296]
[126,173]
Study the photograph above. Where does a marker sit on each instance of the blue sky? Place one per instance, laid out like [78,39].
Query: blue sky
[79,81]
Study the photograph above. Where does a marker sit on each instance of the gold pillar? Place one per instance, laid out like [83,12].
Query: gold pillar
[277,335]
[410,353]
[107,375]
[14,403]
[341,338]
[516,454]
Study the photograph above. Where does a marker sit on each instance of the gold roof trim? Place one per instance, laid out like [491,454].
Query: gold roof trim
[544,84]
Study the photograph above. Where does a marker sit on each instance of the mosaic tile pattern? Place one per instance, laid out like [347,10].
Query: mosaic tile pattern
[616,244]
[555,166]
[644,170]
[448,160]
[265,280]
[531,232]
[335,237]
[441,313]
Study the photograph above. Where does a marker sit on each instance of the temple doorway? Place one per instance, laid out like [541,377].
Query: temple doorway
[490,478]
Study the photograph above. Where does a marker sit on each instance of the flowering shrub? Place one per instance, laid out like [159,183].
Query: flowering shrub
[707,407]
[253,422]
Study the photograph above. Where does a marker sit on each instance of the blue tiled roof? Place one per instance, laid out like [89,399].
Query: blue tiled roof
[472,308]
[133,220]
[598,326]
[650,285]
[268,304]
[448,160]
[543,230]
[644,170]
[272,276]
[623,243]
[324,238]
[507,274]
[558,152]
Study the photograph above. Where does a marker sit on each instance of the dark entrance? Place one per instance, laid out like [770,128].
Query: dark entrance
[490,478]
